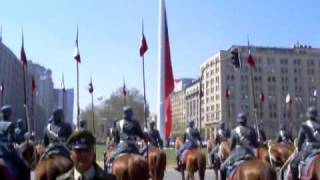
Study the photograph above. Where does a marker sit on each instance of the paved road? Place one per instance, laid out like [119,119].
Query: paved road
[171,174]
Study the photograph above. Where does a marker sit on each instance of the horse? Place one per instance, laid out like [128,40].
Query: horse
[157,160]
[253,169]
[194,160]
[51,167]
[5,171]
[28,152]
[128,166]
[279,152]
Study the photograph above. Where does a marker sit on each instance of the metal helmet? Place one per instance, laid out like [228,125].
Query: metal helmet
[20,123]
[222,125]
[58,115]
[242,117]
[127,112]
[83,123]
[6,111]
[312,112]
[152,124]
[191,124]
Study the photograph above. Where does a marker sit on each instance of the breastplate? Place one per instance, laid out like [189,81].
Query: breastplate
[243,134]
[126,129]
[315,129]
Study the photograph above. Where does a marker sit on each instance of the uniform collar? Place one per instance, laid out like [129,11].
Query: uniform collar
[89,174]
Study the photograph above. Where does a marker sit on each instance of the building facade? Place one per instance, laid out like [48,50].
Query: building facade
[192,96]
[278,72]
[11,75]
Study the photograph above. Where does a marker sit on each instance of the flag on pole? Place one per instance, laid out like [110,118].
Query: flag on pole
[23,56]
[227,93]
[90,87]
[34,85]
[124,90]
[76,54]
[143,45]
[1,88]
[288,99]
[63,87]
[261,97]
[169,81]
[250,58]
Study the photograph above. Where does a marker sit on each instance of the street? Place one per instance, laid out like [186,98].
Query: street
[171,174]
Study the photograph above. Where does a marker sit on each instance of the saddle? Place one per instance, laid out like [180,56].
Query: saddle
[56,149]
[306,165]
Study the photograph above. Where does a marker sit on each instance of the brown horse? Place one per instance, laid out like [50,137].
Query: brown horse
[128,166]
[254,169]
[52,167]
[194,160]
[157,161]
[279,152]
[5,172]
[28,152]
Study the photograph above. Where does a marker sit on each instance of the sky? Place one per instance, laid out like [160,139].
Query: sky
[110,34]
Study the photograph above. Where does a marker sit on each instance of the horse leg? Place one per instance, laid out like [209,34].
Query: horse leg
[182,174]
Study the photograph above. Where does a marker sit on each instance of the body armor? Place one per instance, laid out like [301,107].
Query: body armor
[313,133]
[192,135]
[154,137]
[58,133]
[6,131]
[127,130]
[244,136]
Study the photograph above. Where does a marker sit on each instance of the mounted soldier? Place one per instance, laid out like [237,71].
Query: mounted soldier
[243,144]
[19,132]
[126,132]
[262,135]
[56,134]
[191,139]
[308,142]
[284,135]
[18,166]
[222,134]
[153,137]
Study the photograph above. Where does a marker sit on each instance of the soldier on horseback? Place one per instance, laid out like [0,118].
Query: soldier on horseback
[154,136]
[308,143]
[125,134]
[56,134]
[192,139]
[7,152]
[19,132]
[221,135]
[284,135]
[262,135]
[243,143]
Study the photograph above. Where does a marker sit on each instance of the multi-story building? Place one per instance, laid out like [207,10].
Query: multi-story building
[11,75]
[178,106]
[278,72]
[192,96]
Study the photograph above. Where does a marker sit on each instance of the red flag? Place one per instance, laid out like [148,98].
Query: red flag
[23,56]
[261,97]
[124,90]
[143,45]
[227,93]
[34,86]
[250,58]
[90,87]
[76,54]
[2,88]
[169,81]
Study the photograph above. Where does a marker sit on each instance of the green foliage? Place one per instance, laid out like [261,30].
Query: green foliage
[111,109]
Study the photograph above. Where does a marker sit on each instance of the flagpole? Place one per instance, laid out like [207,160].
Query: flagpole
[144,93]
[32,110]
[93,128]
[78,106]
[2,93]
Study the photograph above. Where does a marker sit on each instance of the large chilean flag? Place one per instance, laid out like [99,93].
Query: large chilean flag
[166,81]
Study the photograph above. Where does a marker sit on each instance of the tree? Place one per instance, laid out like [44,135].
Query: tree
[111,110]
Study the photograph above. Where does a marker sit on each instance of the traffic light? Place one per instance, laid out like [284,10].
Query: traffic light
[235,58]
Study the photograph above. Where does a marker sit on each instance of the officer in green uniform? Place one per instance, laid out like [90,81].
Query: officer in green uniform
[81,144]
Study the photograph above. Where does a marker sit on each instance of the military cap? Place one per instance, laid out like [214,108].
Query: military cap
[6,109]
[81,139]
